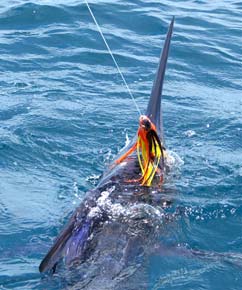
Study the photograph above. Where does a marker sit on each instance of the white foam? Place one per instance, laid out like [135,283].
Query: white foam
[190,133]
[127,140]
[173,159]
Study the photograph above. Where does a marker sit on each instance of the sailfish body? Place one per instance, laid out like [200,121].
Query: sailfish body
[111,222]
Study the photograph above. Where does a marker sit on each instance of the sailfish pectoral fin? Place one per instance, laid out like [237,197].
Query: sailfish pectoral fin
[55,253]
[154,106]
[69,244]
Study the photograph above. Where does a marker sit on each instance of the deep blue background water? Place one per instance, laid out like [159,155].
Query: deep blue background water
[64,114]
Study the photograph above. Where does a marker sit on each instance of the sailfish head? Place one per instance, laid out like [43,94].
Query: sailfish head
[151,120]
[154,105]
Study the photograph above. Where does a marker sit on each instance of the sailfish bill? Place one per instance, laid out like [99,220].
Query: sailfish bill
[154,106]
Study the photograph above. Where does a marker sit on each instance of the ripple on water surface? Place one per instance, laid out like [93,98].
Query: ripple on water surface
[65,113]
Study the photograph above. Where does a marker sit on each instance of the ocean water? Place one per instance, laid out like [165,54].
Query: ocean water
[65,114]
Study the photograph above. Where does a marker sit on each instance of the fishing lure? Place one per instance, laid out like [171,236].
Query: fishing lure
[150,151]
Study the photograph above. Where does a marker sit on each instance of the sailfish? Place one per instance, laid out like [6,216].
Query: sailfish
[118,219]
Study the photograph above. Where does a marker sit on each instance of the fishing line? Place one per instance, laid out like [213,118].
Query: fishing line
[113,58]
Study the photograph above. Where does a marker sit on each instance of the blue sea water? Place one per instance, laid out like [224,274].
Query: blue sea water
[65,113]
